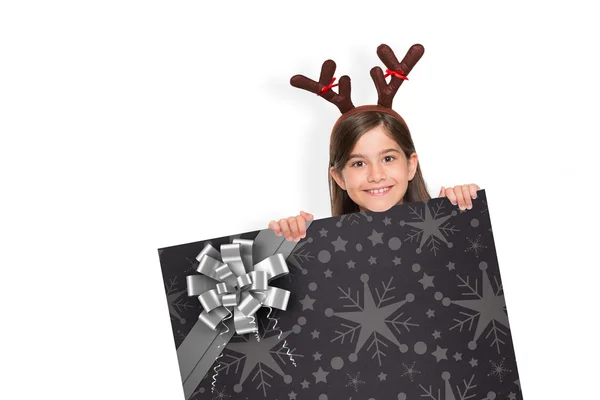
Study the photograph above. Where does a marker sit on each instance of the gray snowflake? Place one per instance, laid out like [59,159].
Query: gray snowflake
[475,246]
[430,229]
[354,381]
[499,370]
[410,371]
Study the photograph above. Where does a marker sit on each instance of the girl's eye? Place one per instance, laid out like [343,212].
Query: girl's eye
[390,157]
[357,162]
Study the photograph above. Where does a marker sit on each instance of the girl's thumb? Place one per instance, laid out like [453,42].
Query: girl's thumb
[441,192]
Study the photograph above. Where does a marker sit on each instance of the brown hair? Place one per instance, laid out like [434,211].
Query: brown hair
[343,138]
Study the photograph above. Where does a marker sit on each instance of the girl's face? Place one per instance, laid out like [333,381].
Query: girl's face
[377,173]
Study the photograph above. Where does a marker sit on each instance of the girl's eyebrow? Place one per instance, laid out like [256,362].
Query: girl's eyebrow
[356,155]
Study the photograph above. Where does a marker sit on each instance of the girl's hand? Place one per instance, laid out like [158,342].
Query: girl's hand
[461,194]
[293,228]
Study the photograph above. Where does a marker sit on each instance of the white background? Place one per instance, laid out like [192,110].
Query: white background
[128,126]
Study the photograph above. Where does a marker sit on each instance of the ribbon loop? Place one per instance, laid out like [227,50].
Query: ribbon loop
[198,284]
[214,317]
[210,300]
[277,298]
[231,254]
[275,266]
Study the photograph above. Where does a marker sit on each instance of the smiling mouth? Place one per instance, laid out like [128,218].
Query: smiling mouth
[378,192]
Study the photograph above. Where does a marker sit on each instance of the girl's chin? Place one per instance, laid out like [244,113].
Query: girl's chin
[378,204]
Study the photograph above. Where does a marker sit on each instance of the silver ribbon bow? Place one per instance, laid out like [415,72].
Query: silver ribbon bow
[231,284]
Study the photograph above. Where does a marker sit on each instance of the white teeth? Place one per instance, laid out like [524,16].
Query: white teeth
[379,190]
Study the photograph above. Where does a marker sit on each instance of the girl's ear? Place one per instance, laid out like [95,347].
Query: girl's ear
[337,177]
[413,162]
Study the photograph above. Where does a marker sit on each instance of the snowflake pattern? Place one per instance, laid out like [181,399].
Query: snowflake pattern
[299,256]
[488,308]
[220,394]
[372,319]
[258,356]
[360,271]
[177,301]
[354,218]
[354,381]
[499,369]
[475,246]
[463,394]
[430,229]
[410,371]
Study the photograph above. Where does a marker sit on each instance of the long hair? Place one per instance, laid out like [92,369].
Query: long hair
[343,139]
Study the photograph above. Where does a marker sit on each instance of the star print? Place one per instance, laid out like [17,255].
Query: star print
[323,232]
[339,244]
[315,334]
[382,376]
[320,375]
[259,352]
[292,395]
[350,264]
[512,396]
[473,362]
[304,384]
[328,273]
[457,356]
[436,335]
[440,354]
[518,383]
[430,313]
[372,260]
[375,237]
[387,221]
[317,356]
[307,303]
[397,260]
[426,281]
[450,266]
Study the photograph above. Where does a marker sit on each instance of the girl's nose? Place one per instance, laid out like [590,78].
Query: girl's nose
[376,173]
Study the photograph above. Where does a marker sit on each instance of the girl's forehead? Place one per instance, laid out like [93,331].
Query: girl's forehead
[375,141]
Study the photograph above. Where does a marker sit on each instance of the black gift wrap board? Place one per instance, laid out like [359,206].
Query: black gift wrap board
[405,304]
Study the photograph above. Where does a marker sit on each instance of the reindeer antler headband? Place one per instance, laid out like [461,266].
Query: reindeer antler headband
[385,91]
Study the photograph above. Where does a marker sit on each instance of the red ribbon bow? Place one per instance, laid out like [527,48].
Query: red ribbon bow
[326,88]
[397,74]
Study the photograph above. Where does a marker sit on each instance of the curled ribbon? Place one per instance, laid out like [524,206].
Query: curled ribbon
[230,283]
[397,74]
[326,88]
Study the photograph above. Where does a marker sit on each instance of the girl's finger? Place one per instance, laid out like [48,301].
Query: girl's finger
[301,226]
[467,196]
[307,216]
[451,196]
[442,192]
[473,188]
[285,227]
[459,197]
[276,228]
[294,228]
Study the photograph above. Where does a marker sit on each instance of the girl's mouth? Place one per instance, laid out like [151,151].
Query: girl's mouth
[378,192]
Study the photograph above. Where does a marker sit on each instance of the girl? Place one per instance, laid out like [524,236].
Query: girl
[373,164]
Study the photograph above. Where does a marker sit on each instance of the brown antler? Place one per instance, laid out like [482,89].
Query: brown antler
[385,91]
[341,100]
